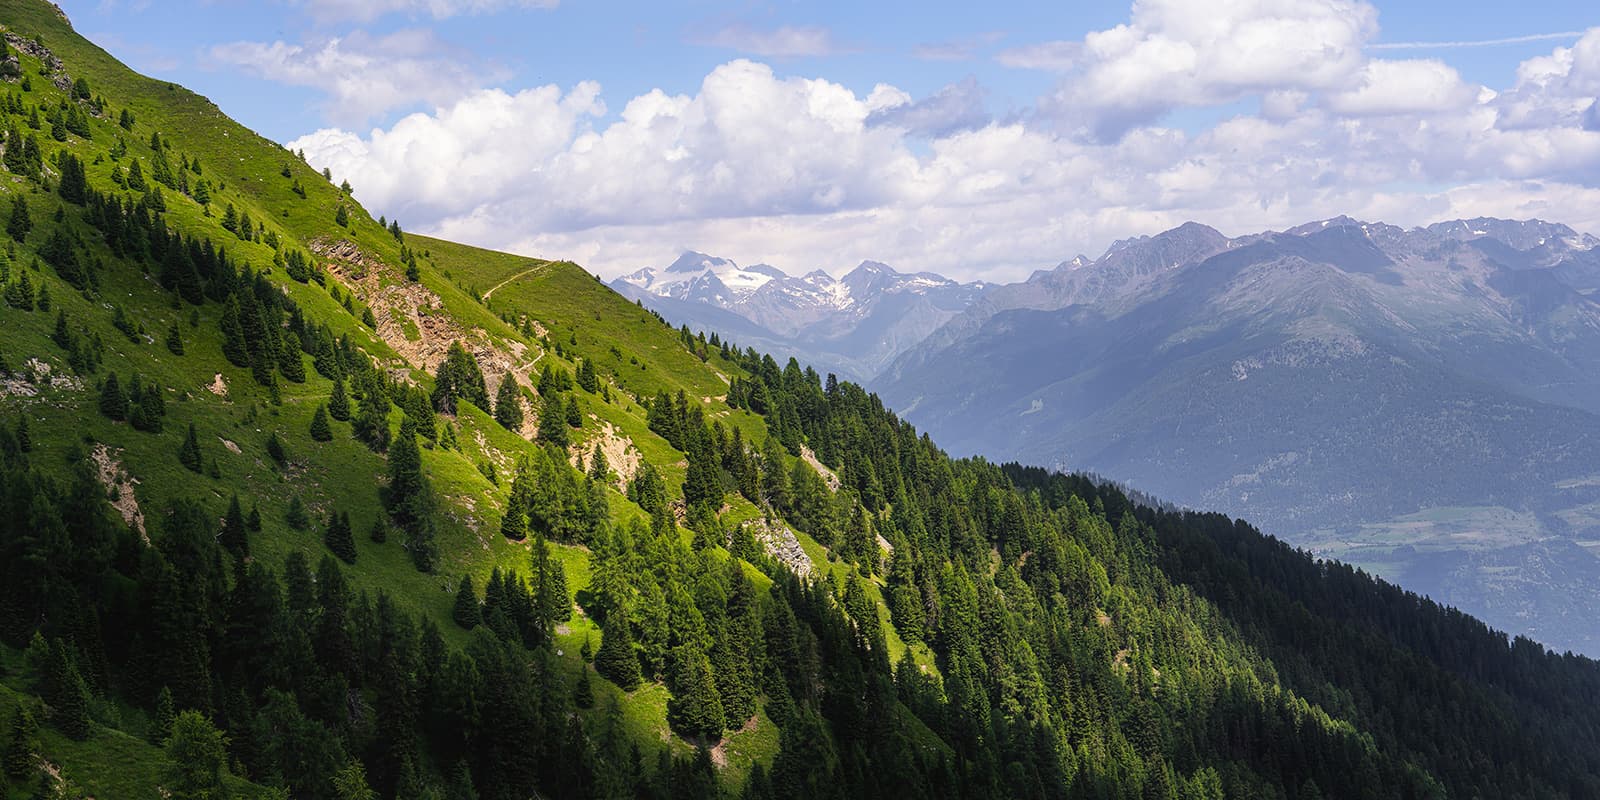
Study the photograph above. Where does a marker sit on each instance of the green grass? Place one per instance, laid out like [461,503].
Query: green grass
[637,356]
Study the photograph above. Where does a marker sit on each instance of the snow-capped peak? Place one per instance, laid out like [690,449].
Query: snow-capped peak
[697,276]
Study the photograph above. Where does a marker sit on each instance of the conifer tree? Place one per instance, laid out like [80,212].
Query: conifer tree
[582,692]
[189,453]
[695,707]
[513,526]
[19,223]
[67,694]
[235,534]
[574,415]
[350,783]
[508,404]
[467,614]
[197,759]
[113,402]
[275,448]
[296,515]
[339,402]
[320,430]
[21,743]
[341,216]
[174,340]
[587,379]
[234,346]
[379,532]
[553,422]
[161,722]
[616,660]
[338,537]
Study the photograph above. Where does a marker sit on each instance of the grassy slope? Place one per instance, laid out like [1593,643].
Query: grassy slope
[632,349]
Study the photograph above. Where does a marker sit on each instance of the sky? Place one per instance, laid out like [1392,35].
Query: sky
[975,140]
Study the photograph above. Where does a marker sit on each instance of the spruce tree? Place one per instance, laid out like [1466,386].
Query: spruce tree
[350,783]
[338,537]
[161,721]
[235,534]
[320,430]
[113,402]
[467,614]
[275,448]
[189,453]
[19,223]
[379,532]
[234,346]
[582,692]
[574,415]
[296,515]
[616,660]
[553,422]
[513,525]
[695,708]
[174,340]
[21,743]
[67,694]
[197,759]
[339,402]
[508,404]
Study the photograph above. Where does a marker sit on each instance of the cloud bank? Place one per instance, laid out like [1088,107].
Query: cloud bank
[806,173]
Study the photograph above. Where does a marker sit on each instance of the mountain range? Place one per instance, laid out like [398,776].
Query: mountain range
[290,507]
[1418,401]
[852,325]
[1422,402]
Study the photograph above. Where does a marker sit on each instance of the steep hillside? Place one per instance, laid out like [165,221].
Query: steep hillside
[1420,402]
[295,503]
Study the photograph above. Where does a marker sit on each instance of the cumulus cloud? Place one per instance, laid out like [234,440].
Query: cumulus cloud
[788,41]
[807,173]
[363,76]
[1174,53]
[1411,86]
[957,107]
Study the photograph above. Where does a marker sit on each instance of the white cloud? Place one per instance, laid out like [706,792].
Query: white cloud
[957,107]
[788,41]
[1411,86]
[806,173]
[368,10]
[363,76]
[1174,53]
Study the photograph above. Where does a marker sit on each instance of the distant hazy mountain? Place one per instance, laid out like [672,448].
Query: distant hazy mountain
[852,325]
[1425,402]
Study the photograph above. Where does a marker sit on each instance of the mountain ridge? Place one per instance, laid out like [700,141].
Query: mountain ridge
[1207,361]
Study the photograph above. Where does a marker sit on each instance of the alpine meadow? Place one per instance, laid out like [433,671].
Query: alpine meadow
[297,503]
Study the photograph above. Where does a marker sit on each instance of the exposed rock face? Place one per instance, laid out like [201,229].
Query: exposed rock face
[411,317]
[781,543]
[119,484]
[57,71]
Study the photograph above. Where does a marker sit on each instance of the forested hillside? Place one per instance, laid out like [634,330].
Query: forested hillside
[294,503]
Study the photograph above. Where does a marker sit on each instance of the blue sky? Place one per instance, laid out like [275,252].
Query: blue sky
[976,139]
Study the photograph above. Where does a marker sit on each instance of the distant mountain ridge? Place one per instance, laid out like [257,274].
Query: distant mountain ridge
[1357,387]
[852,325]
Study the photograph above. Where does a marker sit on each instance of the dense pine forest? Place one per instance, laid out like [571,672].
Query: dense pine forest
[294,503]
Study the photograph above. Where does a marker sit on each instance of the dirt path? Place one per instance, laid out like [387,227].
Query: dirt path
[508,280]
